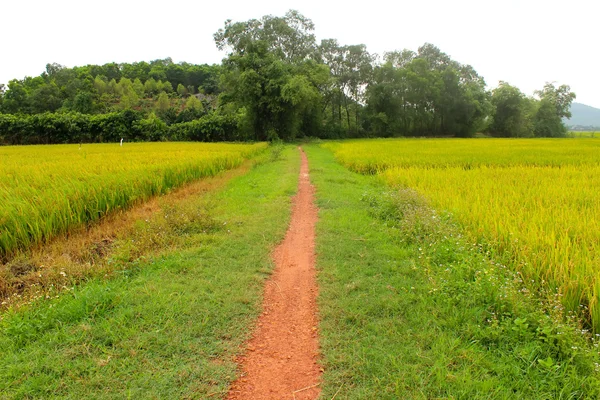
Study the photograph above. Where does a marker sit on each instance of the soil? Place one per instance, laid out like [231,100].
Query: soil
[282,357]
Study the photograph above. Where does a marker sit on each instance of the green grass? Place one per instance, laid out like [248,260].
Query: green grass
[410,310]
[583,134]
[168,326]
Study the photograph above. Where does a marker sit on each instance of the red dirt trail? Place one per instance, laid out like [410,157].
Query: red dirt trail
[282,357]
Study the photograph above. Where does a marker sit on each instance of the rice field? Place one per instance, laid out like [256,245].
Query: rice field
[533,202]
[583,134]
[48,190]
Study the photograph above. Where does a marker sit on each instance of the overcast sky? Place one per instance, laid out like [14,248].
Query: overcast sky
[525,43]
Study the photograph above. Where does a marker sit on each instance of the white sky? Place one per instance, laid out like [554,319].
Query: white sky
[525,43]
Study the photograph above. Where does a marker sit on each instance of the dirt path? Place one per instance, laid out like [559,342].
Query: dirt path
[281,361]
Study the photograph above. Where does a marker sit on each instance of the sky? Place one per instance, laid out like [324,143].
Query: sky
[525,43]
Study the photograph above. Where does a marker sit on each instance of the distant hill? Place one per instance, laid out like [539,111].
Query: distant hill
[583,116]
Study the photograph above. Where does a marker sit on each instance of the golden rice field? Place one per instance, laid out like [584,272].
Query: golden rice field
[535,201]
[47,190]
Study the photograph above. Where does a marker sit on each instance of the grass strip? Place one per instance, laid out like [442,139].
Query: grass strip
[168,326]
[409,309]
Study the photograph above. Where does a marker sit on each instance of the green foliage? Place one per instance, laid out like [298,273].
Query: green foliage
[162,102]
[425,93]
[350,68]
[193,104]
[209,128]
[268,74]
[71,127]
[75,127]
[288,87]
[518,116]
[152,128]
[139,87]
[58,87]
[288,38]
[512,112]
[129,98]
[181,90]
[166,87]
[547,121]
[554,105]
[410,309]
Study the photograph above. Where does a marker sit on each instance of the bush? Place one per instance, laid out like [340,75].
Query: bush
[54,128]
[209,128]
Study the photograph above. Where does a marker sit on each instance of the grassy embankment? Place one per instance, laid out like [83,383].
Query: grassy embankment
[533,203]
[169,323]
[411,309]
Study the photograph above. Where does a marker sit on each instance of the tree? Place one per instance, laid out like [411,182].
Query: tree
[129,99]
[138,87]
[192,103]
[554,105]
[151,87]
[269,75]
[181,90]
[151,128]
[83,103]
[512,112]
[546,121]
[425,93]
[167,87]
[2,90]
[162,102]
[561,98]
[100,85]
[45,98]
[288,38]
[15,98]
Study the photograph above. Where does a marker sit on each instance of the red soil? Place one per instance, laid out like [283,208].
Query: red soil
[282,357]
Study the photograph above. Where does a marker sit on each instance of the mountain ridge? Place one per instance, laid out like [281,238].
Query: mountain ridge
[583,116]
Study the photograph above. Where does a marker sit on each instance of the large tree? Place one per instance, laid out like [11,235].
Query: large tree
[351,70]
[425,93]
[554,105]
[270,75]
[512,113]
[289,38]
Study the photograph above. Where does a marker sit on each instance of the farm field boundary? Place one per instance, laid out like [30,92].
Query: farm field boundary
[410,308]
[167,326]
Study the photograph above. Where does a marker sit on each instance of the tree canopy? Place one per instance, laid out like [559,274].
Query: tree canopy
[276,81]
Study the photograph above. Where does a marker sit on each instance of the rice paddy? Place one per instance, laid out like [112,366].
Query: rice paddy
[48,190]
[534,203]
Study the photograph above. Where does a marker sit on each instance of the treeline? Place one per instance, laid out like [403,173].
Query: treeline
[278,82]
[131,125]
[97,89]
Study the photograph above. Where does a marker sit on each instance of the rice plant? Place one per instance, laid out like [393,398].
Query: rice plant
[48,190]
[534,202]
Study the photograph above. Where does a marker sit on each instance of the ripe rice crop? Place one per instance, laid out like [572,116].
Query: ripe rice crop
[536,202]
[47,190]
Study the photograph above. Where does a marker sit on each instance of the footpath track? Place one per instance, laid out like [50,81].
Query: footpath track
[282,357]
